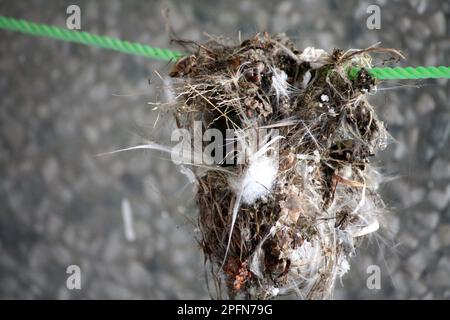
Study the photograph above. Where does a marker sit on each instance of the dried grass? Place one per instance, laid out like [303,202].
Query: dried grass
[298,235]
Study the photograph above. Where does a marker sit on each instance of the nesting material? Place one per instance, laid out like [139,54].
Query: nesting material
[285,211]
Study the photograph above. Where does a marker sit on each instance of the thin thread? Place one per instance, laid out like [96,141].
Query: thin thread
[86,38]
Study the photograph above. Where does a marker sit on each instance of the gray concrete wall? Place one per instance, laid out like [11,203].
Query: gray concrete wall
[61,104]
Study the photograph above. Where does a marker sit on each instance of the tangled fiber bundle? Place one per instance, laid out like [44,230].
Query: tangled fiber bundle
[284,210]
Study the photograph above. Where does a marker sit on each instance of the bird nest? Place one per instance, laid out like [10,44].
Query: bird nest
[287,193]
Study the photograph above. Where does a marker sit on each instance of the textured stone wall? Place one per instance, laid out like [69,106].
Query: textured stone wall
[62,104]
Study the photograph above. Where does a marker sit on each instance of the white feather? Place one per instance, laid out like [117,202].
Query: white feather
[257,180]
[127,215]
[279,84]
[316,57]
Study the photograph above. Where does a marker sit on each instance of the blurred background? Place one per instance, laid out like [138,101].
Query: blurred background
[62,104]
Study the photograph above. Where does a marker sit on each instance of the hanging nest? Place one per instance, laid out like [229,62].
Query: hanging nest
[284,210]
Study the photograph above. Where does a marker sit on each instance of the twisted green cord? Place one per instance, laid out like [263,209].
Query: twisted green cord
[86,38]
[405,73]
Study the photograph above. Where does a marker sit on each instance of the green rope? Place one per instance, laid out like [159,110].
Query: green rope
[405,73]
[86,38]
